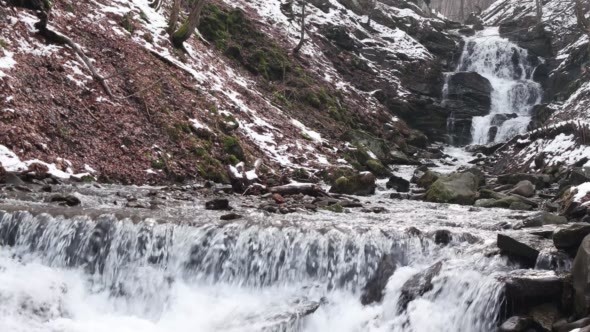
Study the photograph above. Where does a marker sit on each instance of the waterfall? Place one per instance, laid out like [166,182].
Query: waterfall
[509,69]
[85,273]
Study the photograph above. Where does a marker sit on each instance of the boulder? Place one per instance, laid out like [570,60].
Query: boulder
[362,184]
[427,179]
[506,202]
[399,184]
[456,188]
[522,246]
[67,200]
[516,324]
[539,180]
[376,167]
[571,237]
[217,204]
[468,96]
[373,290]
[418,285]
[524,188]
[581,279]
[544,316]
[442,237]
[544,218]
[565,326]
[525,289]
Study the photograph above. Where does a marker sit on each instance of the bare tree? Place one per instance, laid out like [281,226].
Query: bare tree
[183,33]
[583,24]
[462,11]
[302,36]
[539,10]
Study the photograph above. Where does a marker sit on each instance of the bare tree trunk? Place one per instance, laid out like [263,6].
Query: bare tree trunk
[539,10]
[173,21]
[462,11]
[302,38]
[188,27]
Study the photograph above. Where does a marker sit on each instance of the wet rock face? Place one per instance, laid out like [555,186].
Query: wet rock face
[522,247]
[581,279]
[571,238]
[418,285]
[400,184]
[469,95]
[217,204]
[373,291]
[528,35]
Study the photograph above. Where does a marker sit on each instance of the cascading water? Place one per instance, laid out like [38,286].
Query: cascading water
[99,274]
[509,69]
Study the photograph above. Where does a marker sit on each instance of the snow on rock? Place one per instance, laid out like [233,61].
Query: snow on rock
[12,163]
[581,191]
[6,62]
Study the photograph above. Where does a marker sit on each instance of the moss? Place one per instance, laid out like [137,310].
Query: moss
[233,160]
[158,163]
[127,22]
[232,147]
[211,169]
[377,168]
[336,208]
[3,44]
[144,16]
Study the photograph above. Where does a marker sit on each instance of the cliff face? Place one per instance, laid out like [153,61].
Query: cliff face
[560,124]
[238,96]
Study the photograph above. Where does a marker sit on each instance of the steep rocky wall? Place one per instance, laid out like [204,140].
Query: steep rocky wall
[564,77]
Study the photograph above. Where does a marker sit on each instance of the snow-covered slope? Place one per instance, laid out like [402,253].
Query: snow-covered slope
[191,114]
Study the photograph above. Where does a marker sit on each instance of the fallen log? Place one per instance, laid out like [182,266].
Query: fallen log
[309,189]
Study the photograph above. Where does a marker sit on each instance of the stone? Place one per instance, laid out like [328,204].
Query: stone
[571,237]
[524,188]
[230,216]
[581,279]
[516,324]
[539,180]
[427,179]
[13,179]
[418,285]
[362,184]
[376,167]
[525,289]
[520,206]
[545,315]
[278,198]
[544,218]
[442,237]
[469,95]
[373,290]
[522,246]
[565,326]
[456,188]
[217,204]
[399,184]
[68,200]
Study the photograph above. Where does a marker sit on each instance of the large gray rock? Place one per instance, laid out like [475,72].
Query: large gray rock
[418,285]
[399,184]
[456,188]
[373,290]
[516,324]
[523,246]
[469,95]
[544,218]
[524,188]
[571,237]
[581,279]
[525,289]
[363,184]
[539,180]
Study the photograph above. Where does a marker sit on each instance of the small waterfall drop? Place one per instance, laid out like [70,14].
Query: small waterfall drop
[106,274]
[509,69]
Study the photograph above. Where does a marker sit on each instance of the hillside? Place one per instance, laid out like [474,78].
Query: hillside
[238,96]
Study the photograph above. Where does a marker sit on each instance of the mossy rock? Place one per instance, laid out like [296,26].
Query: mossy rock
[427,179]
[377,168]
[333,173]
[336,208]
[456,188]
[232,147]
[362,184]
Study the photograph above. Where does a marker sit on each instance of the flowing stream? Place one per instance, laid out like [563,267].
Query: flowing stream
[299,272]
[509,69]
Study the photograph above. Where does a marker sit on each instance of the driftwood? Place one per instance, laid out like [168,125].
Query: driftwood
[309,189]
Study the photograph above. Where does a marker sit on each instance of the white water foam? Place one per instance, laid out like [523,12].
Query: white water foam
[510,72]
